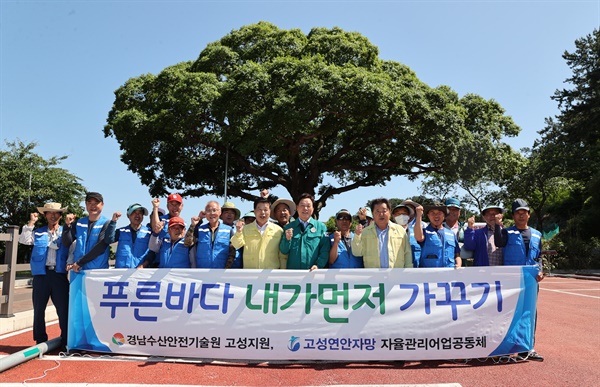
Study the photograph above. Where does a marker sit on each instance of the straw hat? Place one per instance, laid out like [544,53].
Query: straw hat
[51,207]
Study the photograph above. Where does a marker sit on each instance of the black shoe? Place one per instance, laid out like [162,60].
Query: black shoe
[531,355]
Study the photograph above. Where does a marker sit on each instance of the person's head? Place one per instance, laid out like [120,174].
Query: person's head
[174,204]
[94,203]
[262,210]
[213,212]
[249,217]
[453,206]
[436,213]
[283,210]
[489,214]
[380,208]
[176,228]
[343,220]
[521,213]
[413,206]
[52,212]
[135,214]
[402,214]
[229,213]
[305,206]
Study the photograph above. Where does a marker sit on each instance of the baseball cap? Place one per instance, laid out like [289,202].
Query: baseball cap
[175,198]
[94,195]
[452,202]
[520,204]
[134,207]
[176,221]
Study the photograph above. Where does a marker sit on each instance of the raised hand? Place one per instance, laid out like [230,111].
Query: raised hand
[69,219]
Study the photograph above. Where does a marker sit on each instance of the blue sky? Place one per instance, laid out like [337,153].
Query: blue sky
[61,61]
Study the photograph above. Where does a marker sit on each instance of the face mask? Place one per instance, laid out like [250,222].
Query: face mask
[401,219]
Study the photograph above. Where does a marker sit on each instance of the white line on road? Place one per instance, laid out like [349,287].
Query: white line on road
[574,294]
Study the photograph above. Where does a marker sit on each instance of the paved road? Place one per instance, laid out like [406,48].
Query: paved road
[568,334]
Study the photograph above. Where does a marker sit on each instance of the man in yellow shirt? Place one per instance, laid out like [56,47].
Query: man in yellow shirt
[260,239]
[382,244]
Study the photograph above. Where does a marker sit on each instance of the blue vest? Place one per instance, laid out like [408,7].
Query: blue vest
[345,259]
[85,243]
[414,246]
[435,253]
[514,251]
[40,251]
[209,254]
[177,257]
[131,254]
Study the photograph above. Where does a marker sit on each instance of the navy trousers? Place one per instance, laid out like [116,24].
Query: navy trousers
[53,286]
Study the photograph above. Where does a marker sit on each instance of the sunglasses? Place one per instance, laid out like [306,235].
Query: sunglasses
[344,218]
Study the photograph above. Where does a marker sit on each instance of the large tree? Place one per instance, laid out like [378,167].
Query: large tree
[28,180]
[571,141]
[290,109]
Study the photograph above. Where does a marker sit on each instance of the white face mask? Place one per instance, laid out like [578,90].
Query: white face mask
[402,219]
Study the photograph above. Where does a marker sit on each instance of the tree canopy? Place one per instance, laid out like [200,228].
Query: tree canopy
[28,180]
[570,142]
[290,109]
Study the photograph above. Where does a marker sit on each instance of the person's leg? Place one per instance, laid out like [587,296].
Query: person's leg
[60,299]
[40,296]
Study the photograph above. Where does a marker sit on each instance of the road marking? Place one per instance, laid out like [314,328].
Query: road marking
[571,290]
[574,294]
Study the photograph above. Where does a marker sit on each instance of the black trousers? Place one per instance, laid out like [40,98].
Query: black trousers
[53,286]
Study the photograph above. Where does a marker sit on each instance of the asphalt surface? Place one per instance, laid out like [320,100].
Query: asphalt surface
[568,335]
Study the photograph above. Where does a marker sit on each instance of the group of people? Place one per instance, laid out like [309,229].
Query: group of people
[269,237]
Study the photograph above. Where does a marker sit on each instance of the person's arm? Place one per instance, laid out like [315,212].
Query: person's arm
[286,240]
[418,229]
[69,230]
[230,257]
[457,258]
[237,240]
[98,249]
[324,247]
[192,258]
[26,237]
[357,248]
[333,251]
[407,251]
[500,236]
[155,224]
[190,238]
[154,243]
[148,259]
[111,235]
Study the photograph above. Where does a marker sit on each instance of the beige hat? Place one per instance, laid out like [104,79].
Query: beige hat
[231,206]
[291,205]
[51,207]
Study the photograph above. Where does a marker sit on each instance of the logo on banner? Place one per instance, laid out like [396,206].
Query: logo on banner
[294,345]
[118,339]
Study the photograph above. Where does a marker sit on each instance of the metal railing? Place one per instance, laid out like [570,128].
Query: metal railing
[9,270]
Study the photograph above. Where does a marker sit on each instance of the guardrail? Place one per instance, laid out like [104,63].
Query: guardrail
[9,270]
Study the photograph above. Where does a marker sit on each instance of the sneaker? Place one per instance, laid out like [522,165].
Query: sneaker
[531,355]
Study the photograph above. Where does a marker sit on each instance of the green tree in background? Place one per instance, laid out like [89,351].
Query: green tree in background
[28,180]
[291,109]
[572,140]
